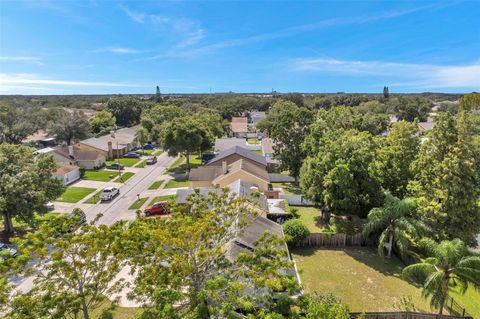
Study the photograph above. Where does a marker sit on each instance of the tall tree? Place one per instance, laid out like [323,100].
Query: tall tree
[102,123]
[394,158]
[386,93]
[159,115]
[451,266]
[395,223]
[291,127]
[185,135]
[337,176]
[141,136]
[447,182]
[409,109]
[71,127]
[185,269]
[126,109]
[158,96]
[79,273]
[26,184]
[15,124]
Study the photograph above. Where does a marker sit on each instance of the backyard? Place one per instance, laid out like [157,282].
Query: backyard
[312,218]
[102,175]
[363,280]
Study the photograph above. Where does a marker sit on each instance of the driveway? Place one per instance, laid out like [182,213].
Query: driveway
[115,210]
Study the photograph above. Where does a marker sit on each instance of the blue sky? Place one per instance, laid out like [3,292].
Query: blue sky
[89,47]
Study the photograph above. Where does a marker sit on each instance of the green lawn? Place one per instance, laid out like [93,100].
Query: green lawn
[127,162]
[138,203]
[362,279]
[101,175]
[179,166]
[259,152]
[74,194]
[95,198]
[158,152]
[124,177]
[288,188]
[161,199]
[470,301]
[118,312]
[311,217]
[176,183]
[253,140]
[142,164]
[156,185]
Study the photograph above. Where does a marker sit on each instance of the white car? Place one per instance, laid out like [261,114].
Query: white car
[109,193]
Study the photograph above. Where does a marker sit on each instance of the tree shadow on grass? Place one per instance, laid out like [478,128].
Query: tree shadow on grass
[368,255]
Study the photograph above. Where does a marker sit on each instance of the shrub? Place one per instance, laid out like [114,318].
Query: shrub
[295,231]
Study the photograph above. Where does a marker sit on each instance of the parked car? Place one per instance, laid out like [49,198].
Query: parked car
[49,206]
[149,147]
[151,160]
[132,155]
[109,193]
[9,249]
[116,166]
[159,208]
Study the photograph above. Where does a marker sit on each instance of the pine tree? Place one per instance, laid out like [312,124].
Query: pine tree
[158,96]
[386,94]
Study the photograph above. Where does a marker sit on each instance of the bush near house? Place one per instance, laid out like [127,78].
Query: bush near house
[295,231]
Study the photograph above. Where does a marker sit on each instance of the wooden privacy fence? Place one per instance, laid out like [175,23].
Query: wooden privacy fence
[403,315]
[332,240]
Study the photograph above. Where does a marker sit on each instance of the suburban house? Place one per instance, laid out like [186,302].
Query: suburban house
[238,188]
[222,144]
[224,174]
[67,173]
[239,126]
[88,159]
[40,139]
[113,145]
[236,153]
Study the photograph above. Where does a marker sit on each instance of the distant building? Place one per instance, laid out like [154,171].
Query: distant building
[88,159]
[113,145]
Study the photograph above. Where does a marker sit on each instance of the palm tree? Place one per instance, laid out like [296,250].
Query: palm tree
[395,222]
[451,264]
[142,136]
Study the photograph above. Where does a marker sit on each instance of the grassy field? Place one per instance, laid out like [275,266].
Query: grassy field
[253,140]
[95,198]
[175,164]
[175,183]
[125,161]
[101,175]
[288,188]
[156,185]
[118,313]
[179,166]
[161,199]
[138,203]
[259,152]
[312,218]
[124,177]
[362,279]
[470,301]
[74,194]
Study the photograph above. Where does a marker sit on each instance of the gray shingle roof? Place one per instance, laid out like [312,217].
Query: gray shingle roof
[242,151]
[222,144]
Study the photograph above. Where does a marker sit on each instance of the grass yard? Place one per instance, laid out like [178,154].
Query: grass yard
[125,161]
[179,166]
[259,152]
[253,140]
[95,198]
[74,194]
[175,164]
[312,218]
[156,185]
[157,152]
[142,164]
[124,177]
[118,312]
[288,188]
[470,301]
[138,203]
[161,198]
[100,176]
[361,278]
[176,183]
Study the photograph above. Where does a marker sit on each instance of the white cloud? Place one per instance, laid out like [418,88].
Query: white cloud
[118,50]
[9,79]
[23,59]
[402,74]
[138,17]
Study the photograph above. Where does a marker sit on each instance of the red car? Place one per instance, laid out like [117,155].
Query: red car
[159,208]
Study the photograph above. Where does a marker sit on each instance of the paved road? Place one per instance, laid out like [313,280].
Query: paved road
[117,209]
